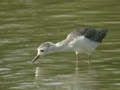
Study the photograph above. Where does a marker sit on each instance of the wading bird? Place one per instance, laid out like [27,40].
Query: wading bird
[83,40]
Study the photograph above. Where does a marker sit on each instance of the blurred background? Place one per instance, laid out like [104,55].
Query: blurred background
[25,24]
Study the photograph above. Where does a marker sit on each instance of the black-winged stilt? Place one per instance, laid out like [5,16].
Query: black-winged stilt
[83,40]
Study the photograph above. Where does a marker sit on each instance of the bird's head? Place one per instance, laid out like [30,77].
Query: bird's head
[44,49]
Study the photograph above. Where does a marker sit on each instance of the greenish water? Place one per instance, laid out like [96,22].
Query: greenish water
[25,24]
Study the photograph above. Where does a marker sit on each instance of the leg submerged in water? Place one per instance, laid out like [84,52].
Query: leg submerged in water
[89,59]
[77,60]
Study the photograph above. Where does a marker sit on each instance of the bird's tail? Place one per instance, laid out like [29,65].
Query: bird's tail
[102,34]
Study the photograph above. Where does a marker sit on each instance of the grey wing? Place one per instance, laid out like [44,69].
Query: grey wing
[89,32]
[96,35]
[75,34]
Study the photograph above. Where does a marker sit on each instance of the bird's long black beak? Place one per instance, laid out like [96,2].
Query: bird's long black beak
[35,58]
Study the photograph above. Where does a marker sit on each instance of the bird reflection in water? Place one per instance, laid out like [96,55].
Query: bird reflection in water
[78,80]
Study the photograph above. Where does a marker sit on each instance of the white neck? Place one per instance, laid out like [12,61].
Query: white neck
[60,47]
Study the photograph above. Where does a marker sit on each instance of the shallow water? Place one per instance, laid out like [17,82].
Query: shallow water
[25,24]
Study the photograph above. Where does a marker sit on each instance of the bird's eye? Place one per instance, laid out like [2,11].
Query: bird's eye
[41,50]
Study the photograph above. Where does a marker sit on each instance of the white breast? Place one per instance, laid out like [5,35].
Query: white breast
[83,45]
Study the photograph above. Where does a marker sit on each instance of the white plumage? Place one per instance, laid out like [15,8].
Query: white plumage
[83,45]
[84,40]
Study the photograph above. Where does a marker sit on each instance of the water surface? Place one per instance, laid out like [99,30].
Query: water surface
[25,24]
